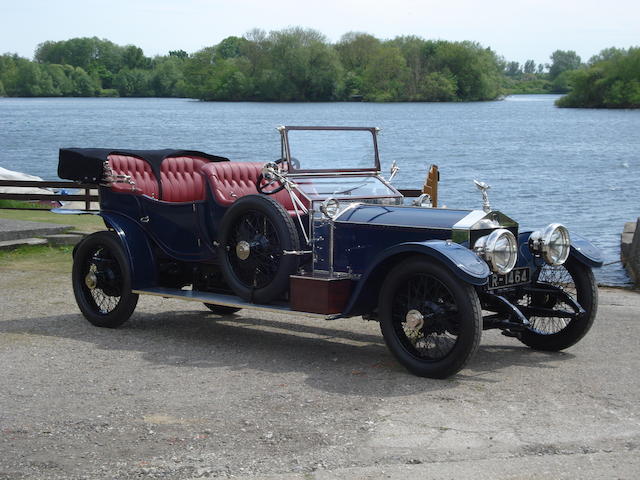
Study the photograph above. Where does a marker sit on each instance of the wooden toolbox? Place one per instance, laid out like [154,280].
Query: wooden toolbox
[318,294]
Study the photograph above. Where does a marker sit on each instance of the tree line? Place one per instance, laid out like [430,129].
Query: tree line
[611,79]
[293,64]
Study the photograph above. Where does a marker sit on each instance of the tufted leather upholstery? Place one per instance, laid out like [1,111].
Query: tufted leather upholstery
[232,180]
[181,179]
[140,172]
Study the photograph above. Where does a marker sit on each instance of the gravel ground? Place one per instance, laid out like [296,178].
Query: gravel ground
[181,393]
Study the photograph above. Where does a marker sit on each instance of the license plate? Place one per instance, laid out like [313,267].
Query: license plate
[517,276]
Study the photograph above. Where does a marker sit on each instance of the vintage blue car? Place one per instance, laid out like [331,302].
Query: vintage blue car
[321,232]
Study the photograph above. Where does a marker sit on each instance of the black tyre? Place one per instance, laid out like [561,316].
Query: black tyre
[101,279]
[254,233]
[431,320]
[221,309]
[557,333]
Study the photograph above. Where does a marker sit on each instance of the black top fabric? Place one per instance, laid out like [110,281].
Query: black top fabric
[85,164]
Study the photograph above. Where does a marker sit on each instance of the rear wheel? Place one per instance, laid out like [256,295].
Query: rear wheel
[557,332]
[431,321]
[101,279]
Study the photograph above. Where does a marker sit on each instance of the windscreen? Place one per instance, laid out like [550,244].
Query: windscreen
[332,149]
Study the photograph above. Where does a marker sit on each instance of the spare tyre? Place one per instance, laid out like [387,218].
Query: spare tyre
[254,233]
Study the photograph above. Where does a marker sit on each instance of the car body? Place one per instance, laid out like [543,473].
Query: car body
[322,219]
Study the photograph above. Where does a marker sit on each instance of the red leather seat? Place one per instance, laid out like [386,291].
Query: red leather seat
[182,180]
[140,172]
[232,180]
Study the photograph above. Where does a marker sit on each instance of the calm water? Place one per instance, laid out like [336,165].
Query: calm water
[578,167]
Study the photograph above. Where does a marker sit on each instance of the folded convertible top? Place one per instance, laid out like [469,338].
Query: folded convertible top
[86,164]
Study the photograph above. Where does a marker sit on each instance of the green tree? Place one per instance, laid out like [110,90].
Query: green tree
[61,83]
[167,79]
[197,71]
[607,54]
[356,50]
[562,83]
[439,87]
[232,47]
[529,67]
[133,57]
[9,73]
[29,79]
[476,69]
[563,61]
[384,79]
[415,51]
[80,52]
[613,82]
[309,66]
[512,69]
[179,54]
[133,83]
[83,85]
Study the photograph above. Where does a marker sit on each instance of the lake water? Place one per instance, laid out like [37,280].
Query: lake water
[575,166]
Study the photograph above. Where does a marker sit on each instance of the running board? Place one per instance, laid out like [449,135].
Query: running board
[227,301]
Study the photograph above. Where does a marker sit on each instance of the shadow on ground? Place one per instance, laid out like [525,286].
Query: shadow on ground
[334,357]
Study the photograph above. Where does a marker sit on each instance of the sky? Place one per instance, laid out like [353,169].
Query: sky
[518,30]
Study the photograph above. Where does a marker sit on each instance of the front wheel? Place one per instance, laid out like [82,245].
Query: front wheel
[101,279]
[431,320]
[553,333]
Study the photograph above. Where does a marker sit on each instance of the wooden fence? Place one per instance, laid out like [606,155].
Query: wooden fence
[87,197]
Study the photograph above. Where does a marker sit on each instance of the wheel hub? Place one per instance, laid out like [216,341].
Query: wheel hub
[243,250]
[91,280]
[414,320]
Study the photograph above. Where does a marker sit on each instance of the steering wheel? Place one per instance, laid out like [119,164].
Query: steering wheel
[264,184]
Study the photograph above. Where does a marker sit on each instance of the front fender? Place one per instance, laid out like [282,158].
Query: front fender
[585,251]
[464,263]
[136,245]
[581,249]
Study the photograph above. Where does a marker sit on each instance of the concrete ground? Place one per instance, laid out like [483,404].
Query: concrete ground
[181,393]
[17,229]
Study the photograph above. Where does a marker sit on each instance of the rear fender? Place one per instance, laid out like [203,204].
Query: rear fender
[464,263]
[137,247]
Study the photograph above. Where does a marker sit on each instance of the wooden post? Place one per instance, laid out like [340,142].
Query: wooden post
[87,196]
[431,185]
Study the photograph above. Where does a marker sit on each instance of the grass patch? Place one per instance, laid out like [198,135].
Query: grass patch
[38,258]
[84,223]
[20,204]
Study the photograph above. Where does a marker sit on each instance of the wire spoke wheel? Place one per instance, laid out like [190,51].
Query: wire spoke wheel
[431,321]
[436,335]
[105,294]
[254,234]
[552,332]
[101,280]
[556,276]
[263,259]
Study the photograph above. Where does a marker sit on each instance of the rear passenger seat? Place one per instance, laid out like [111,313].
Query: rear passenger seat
[140,172]
[180,177]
